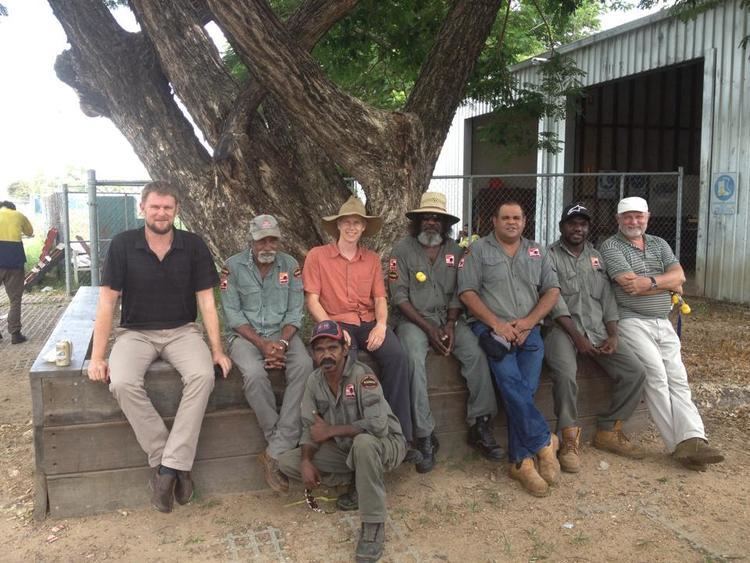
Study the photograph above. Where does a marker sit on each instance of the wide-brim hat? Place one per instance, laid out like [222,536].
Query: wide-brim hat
[353,206]
[433,202]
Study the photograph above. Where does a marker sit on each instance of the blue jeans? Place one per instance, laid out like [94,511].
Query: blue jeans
[517,379]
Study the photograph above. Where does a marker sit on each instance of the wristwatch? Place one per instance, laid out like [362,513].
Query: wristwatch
[653,282]
[284,342]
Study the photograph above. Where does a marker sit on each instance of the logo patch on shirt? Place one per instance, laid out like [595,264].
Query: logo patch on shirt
[534,252]
[392,265]
[297,272]
[393,276]
[284,278]
[595,263]
[461,264]
[369,382]
[224,278]
[349,391]
[450,260]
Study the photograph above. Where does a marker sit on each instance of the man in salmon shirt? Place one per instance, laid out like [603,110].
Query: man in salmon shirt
[343,282]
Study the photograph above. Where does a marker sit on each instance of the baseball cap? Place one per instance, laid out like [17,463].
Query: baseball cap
[575,209]
[264,226]
[327,329]
[632,204]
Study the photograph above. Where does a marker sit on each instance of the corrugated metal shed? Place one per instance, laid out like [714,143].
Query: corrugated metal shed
[656,41]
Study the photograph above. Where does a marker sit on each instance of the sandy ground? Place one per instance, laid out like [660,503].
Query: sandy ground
[465,510]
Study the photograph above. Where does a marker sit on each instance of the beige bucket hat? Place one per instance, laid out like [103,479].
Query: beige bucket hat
[353,206]
[433,202]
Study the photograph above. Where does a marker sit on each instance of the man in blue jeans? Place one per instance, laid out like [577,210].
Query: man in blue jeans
[509,286]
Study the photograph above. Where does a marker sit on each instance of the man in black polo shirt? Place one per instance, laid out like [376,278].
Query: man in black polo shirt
[164,276]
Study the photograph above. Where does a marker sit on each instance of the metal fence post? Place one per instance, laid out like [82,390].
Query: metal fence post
[678,222]
[93,226]
[622,186]
[66,240]
[470,209]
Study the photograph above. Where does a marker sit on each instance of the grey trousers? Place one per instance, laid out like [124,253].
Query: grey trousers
[184,348]
[622,366]
[369,459]
[281,429]
[474,369]
[13,282]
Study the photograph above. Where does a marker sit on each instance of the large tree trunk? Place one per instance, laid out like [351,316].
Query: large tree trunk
[278,143]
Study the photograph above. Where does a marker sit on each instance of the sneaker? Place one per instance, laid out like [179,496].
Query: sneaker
[549,466]
[697,450]
[616,442]
[569,454]
[482,438]
[274,477]
[17,338]
[371,542]
[525,473]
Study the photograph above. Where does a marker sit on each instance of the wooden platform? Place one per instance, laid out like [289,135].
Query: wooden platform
[88,461]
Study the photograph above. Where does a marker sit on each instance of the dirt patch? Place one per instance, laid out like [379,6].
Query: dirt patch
[465,510]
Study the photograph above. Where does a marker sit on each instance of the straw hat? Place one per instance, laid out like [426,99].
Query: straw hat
[353,206]
[432,202]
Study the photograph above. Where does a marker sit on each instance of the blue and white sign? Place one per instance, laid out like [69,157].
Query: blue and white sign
[724,193]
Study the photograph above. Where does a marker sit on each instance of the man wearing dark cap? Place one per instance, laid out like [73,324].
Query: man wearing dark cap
[422,273]
[348,432]
[645,272]
[586,323]
[262,298]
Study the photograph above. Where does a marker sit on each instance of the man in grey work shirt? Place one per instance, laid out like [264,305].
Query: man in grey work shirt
[349,432]
[586,324]
[422,273]
[645,271]
[509,286]
[262,298]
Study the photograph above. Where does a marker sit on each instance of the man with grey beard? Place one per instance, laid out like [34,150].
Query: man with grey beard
[422,273]
[262,298]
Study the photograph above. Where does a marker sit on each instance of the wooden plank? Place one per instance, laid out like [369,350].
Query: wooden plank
[83,494]
[112,445]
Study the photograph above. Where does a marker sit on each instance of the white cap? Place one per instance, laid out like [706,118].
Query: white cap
[632,204]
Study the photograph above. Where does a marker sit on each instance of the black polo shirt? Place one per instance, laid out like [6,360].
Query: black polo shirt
[158,295]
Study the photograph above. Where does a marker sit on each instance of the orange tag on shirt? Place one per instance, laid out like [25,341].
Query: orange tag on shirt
[349,391]
[450,260]
[595,263]
[284,278]
[534,252]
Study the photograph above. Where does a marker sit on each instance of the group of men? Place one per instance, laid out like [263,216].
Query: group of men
[341,424]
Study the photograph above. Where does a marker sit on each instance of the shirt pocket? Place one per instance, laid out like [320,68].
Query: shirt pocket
[570,284]
[597,280]
[494,270]
[250,299]
[531,272]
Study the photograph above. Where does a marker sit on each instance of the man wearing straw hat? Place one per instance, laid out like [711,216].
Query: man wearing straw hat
[422,273]
[343,282]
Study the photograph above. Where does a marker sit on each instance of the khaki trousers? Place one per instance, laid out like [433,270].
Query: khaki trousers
[183,347]
[369,459]
[13,282]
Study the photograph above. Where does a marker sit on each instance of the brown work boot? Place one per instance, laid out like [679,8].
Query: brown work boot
[549,466]
[616,442]
[697,451]
[525,473]
[183,490]
[569,454]
[274,477]
[162,490]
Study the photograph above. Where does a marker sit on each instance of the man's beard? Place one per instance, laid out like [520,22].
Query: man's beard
[430,238]
[266,256]
[159,231]
[632,231]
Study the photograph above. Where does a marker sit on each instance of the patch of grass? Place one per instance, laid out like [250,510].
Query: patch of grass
[507,545]
[580,539]
[663,479]
[642,544]
[195,540]
[540,549]
[209,503]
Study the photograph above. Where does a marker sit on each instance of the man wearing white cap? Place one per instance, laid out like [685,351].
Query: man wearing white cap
[645,272]
[262,298]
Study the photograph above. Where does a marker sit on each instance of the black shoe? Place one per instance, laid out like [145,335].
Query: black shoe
[482,438]
[371,542]
[162,490]
[428,447]
[183,490]
[349,500]
[412,455]
[17,338]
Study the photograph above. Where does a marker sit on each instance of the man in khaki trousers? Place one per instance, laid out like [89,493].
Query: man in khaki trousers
[164,275]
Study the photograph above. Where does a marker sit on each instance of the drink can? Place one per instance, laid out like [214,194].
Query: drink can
[63,353]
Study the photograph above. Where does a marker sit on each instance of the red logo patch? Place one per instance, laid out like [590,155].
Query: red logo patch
[595,263]
[392,265]
[461,264]
[284,278]
[450,260]
[349,391]
[297,272]
[534,252]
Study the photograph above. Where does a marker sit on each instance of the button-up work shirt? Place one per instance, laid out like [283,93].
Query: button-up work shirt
[358,402]
[509,286]
[585,292]
[347,288]
[265,303]
[437,293]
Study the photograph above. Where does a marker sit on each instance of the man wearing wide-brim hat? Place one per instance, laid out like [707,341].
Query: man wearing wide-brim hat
[422,273]
[343,282]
